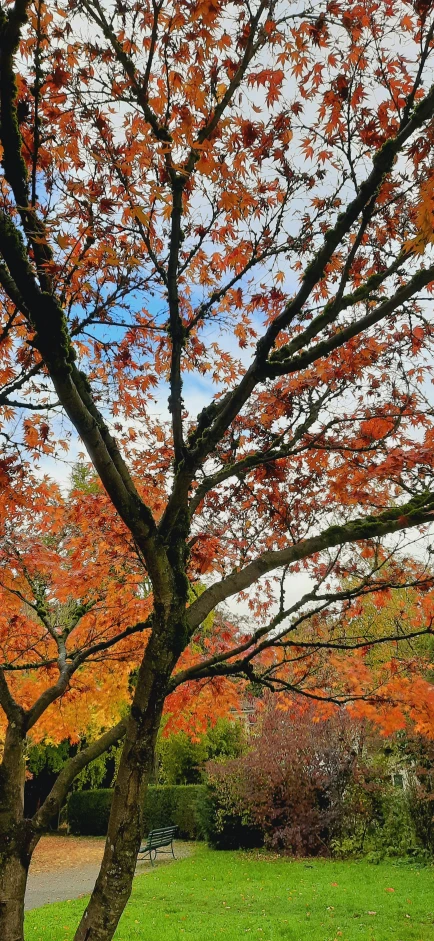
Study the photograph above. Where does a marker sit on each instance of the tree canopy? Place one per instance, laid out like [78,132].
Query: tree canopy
[216,229]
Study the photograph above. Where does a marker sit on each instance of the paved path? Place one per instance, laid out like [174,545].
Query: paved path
[66,867]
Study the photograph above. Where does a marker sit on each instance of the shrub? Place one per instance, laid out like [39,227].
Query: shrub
[88,811]
[289,787]
[222,826]
[388,832]
[314,787]
[364,807]
[420,754]
[379,818]
[421,810]
[185,810]
[396,836]
[177,805]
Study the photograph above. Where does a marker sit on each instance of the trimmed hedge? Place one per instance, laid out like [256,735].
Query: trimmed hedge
[88,811]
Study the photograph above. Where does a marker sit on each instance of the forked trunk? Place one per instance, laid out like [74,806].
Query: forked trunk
[113,886]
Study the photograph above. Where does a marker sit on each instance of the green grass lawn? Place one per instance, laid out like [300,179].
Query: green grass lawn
[236,895]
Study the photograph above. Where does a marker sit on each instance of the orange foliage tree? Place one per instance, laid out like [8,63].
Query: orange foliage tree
[74,609]
[71,606]
[230,199]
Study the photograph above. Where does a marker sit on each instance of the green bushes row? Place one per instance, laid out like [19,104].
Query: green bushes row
[177,805]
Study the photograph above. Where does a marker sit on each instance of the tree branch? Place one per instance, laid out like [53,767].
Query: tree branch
[216,420]
[53,802]
[416,512]
[177,332]
[11,708]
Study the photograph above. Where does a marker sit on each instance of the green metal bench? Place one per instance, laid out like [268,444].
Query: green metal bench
[157,839]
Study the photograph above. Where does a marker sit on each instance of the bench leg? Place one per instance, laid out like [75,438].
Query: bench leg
[173,854]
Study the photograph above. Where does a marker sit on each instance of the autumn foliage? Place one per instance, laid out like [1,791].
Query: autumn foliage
[72,592]
[216,270]
[67,594]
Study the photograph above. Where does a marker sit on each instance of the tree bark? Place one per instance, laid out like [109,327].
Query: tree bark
[14,871]
[113,886]
[16,835]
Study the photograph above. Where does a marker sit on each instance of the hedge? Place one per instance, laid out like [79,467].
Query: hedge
[88,811]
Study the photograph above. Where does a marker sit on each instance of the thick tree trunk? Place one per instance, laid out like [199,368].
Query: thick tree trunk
[13,883]
[113,886]
[15,835]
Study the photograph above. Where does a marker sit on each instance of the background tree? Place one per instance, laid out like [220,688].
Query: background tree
[234,199]
[181,759]
[67,599]
[74,605]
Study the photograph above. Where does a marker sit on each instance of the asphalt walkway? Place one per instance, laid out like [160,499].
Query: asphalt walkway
[66,867]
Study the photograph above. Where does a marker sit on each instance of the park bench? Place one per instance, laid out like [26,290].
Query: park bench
[155,842]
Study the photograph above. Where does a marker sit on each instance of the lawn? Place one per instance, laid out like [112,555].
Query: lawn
[236,895]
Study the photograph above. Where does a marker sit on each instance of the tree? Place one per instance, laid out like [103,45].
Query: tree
[68,600]
[74,608]
[236,198]
[181,759]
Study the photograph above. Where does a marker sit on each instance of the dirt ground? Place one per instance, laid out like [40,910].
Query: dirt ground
[65,867]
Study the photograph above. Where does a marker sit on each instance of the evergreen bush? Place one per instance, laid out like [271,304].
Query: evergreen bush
[88,812]
[222,826]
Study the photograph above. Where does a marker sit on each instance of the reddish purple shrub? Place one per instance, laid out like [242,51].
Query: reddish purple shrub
[291,783]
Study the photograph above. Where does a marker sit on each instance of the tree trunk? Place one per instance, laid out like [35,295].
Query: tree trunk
[13,884]
[113,886]
[16,835]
